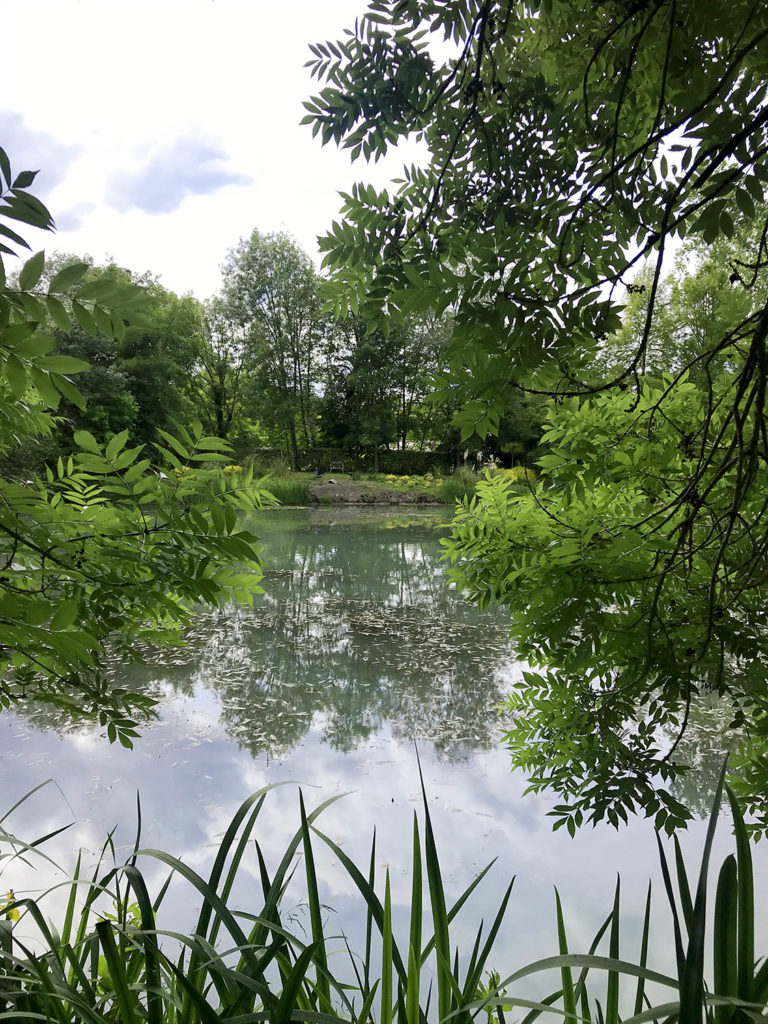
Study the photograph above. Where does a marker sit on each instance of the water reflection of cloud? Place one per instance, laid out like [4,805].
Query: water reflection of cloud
[351,711]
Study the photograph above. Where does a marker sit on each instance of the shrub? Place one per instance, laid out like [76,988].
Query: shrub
[288,491]
[458,485]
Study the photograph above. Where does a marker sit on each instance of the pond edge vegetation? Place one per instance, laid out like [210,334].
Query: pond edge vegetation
[239,966]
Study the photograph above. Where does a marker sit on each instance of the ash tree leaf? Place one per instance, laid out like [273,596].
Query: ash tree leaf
[65,614]
[85,318]
[68,389]
[32,271]
[103,321]
[58,313]
[85,439]
[45,387]
[16,375]
[116,445]
[24,179]
[5,167]
[68,276]
[63,364]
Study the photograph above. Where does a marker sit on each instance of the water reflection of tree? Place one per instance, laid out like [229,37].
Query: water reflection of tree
[356,629]
[361,630]
[707,740]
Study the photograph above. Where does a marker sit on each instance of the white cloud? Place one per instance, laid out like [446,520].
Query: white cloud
[31,149]
[102,80]
[187,167]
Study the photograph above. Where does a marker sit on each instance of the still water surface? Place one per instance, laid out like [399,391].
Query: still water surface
[356,654]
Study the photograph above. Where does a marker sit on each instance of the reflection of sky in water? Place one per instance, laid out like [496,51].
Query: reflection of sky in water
[370,655]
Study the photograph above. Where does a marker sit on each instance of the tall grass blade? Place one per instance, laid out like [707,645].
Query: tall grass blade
[124,998]
[746,902]
[191,997]
[365,1009]
[151,954]
[683,887]
[612,994]
[566,978]
[679,947]
[23,799]
[439,913]
[221,857]
[640,991]
[371,899]
[292,986]
[598,963]
[386,956]
[315,912]
[692,987]
[236,861]
[137,840]
[412,993]
[478,962]
[725,945]
[760,985]
[284,868]
[69,914]
[369,911]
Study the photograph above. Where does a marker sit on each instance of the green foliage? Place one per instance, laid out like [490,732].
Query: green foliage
[112,543]
[624,604]
[270,296]
[568,145]
[288,491]
[111,957]
[378,389]
[566,142]
[520,475]
[458,486]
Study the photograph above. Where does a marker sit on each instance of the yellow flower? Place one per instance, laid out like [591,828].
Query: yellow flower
[13,914]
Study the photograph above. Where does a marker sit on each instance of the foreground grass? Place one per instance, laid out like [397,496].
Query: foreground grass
[243,965]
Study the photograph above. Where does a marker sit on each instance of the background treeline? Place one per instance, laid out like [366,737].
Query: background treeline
[264,367]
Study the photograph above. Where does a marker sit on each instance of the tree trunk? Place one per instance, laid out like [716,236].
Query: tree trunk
[294,445]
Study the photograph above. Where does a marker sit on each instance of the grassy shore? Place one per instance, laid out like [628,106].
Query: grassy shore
[292,488]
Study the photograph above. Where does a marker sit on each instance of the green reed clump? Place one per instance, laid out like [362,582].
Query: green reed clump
[243,965]
[288,491]
[459,485]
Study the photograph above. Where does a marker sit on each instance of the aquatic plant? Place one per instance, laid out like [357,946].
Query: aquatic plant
[288,490]
[239,966]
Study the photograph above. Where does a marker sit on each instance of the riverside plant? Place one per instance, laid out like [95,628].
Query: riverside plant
[287,491]
[239,966]
[459,485]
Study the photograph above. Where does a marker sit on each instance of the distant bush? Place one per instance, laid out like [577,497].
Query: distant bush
[276,467]
[458,485]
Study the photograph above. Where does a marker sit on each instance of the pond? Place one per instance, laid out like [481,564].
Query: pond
[357,656]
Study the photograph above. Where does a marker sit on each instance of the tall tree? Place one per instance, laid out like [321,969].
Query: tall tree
[221,368]
[271,291]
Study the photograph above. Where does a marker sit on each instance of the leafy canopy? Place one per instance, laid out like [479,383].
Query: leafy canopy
[115,542]
[569,144]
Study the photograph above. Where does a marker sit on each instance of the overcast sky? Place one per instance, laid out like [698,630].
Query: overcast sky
[166,131]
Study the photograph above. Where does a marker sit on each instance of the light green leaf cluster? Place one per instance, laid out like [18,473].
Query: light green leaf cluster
[624,602]
[115,543]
